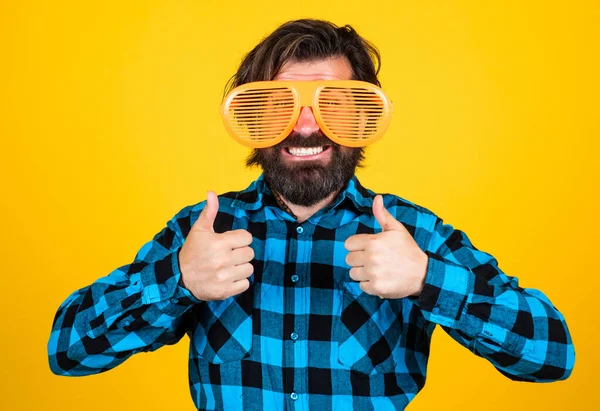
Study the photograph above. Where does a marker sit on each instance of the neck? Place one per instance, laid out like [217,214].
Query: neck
[304,213]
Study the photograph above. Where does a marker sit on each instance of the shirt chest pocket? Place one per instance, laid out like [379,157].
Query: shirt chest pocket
[224,329]
[369,330]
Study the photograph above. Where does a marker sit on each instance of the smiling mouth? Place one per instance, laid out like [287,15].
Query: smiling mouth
[306,151]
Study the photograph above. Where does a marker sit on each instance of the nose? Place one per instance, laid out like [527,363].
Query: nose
[306,124]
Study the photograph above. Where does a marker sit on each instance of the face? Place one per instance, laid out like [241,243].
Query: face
[306,167]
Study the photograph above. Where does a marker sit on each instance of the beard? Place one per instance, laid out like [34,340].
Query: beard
[305,183]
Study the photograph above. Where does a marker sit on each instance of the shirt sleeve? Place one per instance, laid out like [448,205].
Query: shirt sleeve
[517,329]
[138,307]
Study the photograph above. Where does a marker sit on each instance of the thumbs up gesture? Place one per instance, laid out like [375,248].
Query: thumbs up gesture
[389,264]
[215,266]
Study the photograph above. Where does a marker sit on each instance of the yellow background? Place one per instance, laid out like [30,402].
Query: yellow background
[109,124]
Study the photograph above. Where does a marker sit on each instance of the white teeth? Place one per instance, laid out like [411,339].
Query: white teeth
[295,151]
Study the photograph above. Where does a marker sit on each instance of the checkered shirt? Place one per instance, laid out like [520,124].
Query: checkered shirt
[304,335]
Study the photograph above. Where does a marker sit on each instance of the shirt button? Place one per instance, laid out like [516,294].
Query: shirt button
[294,336]
[127,323]
[174,300]
[435,310]
[163,288]
[294,278]
[299,229]
[294,396]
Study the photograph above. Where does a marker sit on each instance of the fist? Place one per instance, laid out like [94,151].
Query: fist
[215,266]
[389,264]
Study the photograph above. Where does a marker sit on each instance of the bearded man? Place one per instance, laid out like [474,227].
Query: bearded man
[307,290]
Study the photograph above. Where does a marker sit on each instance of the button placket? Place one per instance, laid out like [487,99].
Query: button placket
[303,234]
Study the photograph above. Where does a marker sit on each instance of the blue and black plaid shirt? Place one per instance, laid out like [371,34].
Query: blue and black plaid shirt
[304,335]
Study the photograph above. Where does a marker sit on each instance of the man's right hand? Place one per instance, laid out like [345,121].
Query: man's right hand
[215,266]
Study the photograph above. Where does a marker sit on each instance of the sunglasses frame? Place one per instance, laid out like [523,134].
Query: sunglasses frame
[306,94]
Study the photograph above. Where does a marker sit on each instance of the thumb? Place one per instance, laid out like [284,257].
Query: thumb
[206,220]
[385,219]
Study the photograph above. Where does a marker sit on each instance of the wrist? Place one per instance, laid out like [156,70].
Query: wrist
[181,281]
[420,283]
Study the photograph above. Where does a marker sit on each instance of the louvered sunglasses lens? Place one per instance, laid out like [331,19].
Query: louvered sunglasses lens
[259,117]
[352,114]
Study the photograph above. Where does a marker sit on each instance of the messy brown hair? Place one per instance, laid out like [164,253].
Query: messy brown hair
[308,40]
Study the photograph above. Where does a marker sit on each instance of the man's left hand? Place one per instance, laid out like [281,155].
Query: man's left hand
[389,264]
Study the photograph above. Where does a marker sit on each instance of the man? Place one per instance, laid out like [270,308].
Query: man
[306,290]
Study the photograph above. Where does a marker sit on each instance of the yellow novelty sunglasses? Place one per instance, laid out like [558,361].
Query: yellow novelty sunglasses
[351,113]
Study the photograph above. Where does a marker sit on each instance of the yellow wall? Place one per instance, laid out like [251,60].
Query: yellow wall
[109,125]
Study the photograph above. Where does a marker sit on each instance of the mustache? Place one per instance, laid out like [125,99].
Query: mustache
[295,139]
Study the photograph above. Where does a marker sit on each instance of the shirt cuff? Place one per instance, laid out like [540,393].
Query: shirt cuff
[182,294]
[445,291]
[162,283]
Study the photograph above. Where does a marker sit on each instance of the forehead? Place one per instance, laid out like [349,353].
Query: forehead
[335,68]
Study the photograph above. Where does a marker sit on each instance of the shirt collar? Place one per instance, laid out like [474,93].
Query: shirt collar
[258,194]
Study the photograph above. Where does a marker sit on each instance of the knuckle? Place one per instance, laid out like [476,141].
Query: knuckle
[374,273]
[221,261]
[372,256]
[221,275]
[374,244]
[215,263]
